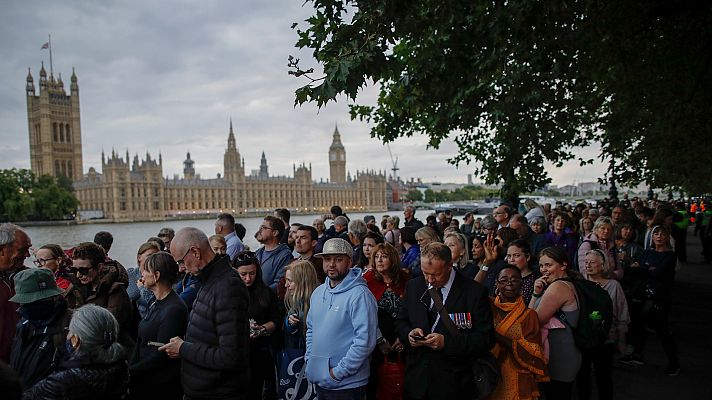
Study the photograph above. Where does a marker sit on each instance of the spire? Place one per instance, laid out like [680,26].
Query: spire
[231,138]
[43,73]
[29,75]
[188,169]
[74,75]
[263,166]
[102,157]
[336,141]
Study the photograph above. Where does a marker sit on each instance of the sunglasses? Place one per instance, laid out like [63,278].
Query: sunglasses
[82,271]
[246,256]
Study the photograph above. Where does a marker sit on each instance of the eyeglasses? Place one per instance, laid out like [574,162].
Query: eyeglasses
[245,256]
[42,261]
[509,281]
[262,227]
[182,260]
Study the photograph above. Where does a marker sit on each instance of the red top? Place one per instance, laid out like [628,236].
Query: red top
[377,287]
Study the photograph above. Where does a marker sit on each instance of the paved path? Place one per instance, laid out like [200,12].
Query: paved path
[691,322]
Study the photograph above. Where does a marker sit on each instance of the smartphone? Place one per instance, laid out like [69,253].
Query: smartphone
[418,337]
[156,344]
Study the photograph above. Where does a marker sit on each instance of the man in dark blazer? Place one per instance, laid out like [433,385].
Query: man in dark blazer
[438,362]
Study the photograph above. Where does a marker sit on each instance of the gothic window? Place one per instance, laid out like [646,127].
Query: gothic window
[61,133]
[69,135]
[56,168]
[69,169]
[54,133]
[155,205]
[122,206]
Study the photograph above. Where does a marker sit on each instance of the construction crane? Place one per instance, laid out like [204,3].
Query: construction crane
[395,185]
[394,162]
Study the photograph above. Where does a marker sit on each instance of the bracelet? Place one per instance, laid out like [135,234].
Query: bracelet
[536,295]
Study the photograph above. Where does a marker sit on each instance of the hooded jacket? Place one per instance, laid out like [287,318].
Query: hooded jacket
[273,264]
[111,294]
[341,333]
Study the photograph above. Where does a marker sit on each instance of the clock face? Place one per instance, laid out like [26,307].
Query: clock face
[332,157]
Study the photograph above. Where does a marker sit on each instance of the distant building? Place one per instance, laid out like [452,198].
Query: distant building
[134,190]
[54,127]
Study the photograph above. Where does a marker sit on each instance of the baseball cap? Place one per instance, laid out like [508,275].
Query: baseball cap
[336,246]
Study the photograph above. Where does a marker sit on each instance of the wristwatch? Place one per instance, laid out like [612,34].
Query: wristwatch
[484,268]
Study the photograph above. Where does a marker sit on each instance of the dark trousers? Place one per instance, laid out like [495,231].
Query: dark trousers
[358,393]
[656,318]
[262,374]
[601,358]
[557,390]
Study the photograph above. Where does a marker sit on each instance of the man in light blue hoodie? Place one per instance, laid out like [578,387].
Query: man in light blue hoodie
[341,327]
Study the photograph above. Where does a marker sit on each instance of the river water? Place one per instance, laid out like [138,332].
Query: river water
[129,236]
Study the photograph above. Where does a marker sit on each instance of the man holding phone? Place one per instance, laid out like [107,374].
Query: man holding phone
[439,362]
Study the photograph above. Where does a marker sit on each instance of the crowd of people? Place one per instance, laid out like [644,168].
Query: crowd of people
[361,310]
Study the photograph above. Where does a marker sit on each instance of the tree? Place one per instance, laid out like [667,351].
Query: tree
[654,59]
[503,79]
[25,197]
[521,83]
[414,195]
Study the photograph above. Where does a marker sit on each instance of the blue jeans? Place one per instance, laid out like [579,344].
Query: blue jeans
[358,393]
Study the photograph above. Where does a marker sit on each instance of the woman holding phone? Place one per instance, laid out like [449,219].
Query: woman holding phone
[152,371]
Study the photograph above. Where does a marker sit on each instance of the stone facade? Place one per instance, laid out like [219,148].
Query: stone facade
[138,191]
[54,127]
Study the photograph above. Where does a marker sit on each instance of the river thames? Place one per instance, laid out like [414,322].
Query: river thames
[129,236]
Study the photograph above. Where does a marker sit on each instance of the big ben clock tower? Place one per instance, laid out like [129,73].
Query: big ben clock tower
[337,159]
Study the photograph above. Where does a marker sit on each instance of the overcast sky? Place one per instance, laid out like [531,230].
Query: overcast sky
[168,76]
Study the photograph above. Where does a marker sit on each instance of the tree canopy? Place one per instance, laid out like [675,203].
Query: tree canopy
[517,84]
[24,197]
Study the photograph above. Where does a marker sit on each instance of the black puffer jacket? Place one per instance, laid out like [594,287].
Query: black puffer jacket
[215,354]
[81,379]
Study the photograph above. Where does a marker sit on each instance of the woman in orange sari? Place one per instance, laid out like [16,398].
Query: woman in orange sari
[519,351]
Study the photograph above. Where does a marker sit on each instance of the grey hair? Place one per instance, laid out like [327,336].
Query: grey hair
[7,233]
[358,228]
[98,333]
[341,220]
[395,221]
[488,222]
[190,236]
[538,221]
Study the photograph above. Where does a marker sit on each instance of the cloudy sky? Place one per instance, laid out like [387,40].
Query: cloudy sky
[168,76]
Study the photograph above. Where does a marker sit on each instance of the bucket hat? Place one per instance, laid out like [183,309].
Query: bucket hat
[34,284]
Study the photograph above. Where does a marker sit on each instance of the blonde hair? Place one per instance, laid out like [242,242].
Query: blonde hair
[305,280]
[465,257]
[428,233]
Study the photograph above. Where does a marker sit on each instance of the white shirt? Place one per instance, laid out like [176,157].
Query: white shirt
[446,290]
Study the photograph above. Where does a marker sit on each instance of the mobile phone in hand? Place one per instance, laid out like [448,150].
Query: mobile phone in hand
[418,337]
[156,344]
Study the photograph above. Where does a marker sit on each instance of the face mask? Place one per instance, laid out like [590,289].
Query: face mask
[68,346]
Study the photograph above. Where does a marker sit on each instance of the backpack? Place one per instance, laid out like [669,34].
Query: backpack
[595,314]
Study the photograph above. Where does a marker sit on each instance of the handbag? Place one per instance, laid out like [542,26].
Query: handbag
[293,384]
[390,379]
[485,370]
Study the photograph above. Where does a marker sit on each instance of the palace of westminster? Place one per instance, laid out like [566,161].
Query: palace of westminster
[136,190]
